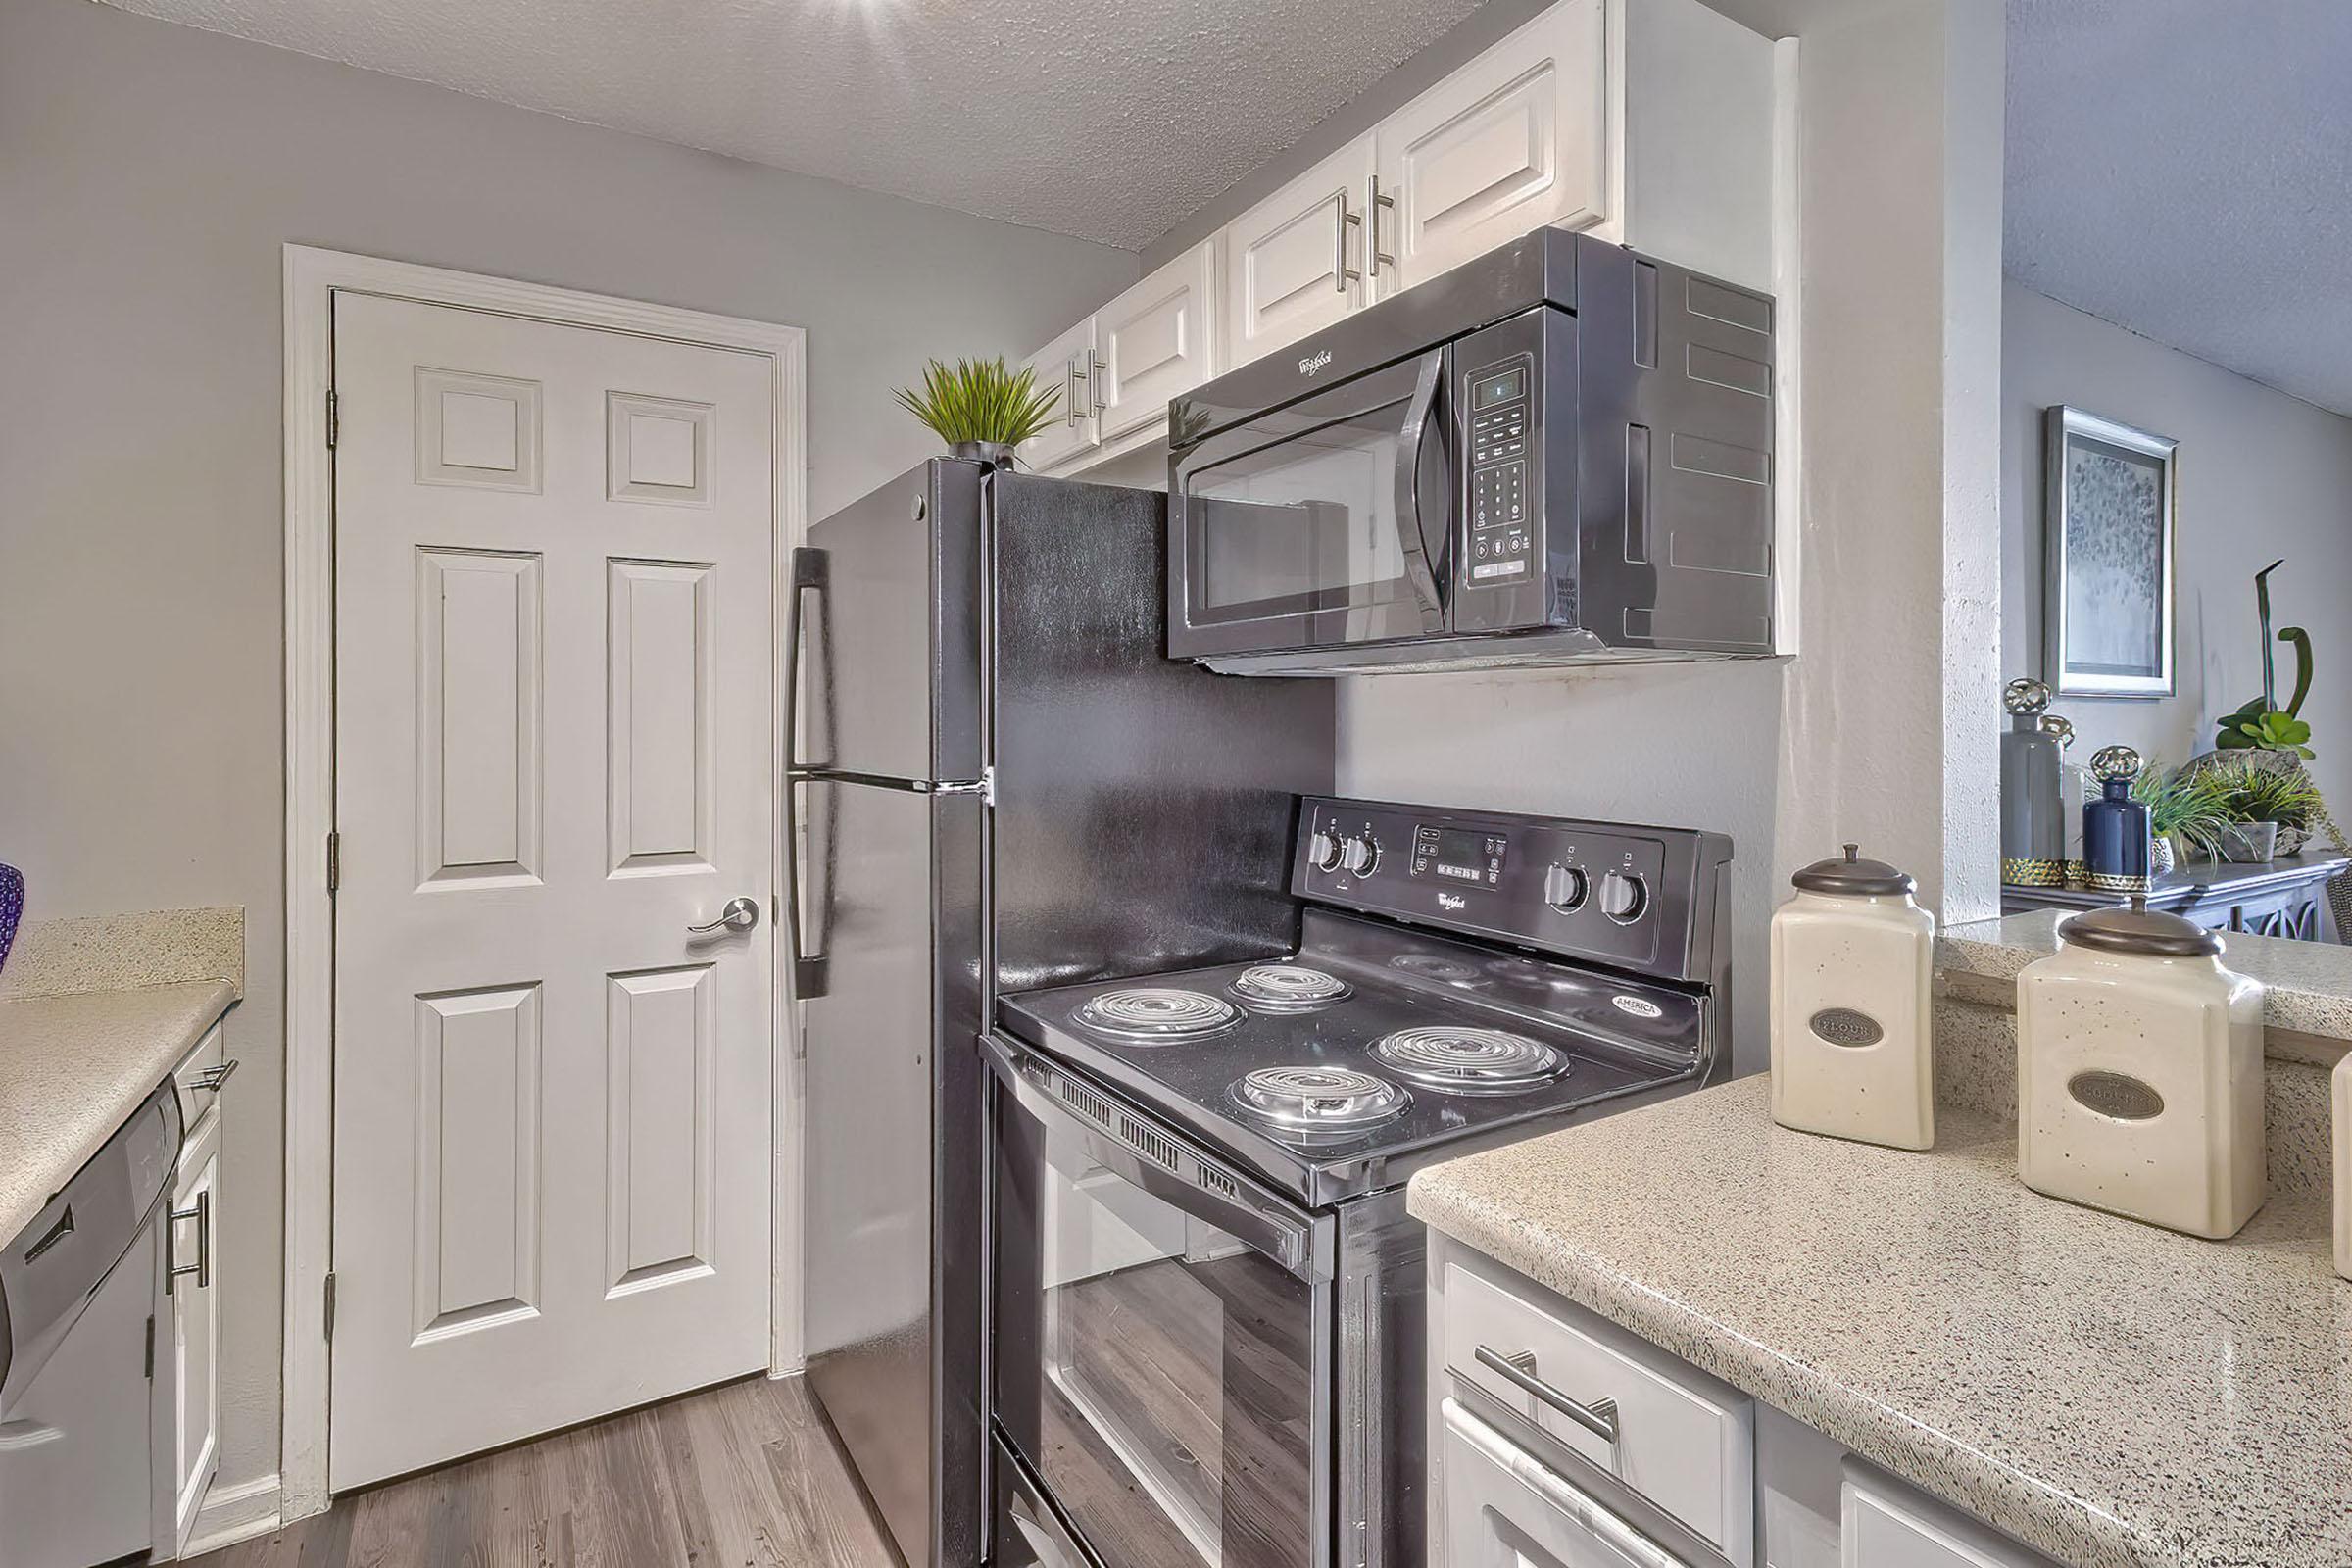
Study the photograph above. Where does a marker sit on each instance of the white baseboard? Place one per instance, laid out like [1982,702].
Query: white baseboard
[230,1514]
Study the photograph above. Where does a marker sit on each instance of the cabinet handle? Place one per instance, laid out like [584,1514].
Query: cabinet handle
[1096,377]
[1343,274]
[202,1268]
[1380,258]
[1076,387]
[1599,1418]
[210,1079]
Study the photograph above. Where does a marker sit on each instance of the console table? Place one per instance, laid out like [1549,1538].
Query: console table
[2279,898]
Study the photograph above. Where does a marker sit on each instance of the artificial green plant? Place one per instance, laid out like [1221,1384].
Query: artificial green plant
[2260,723]
[981,400]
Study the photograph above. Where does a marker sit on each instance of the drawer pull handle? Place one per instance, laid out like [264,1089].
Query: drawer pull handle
[52,1236]
[202,1268]
[211,1078]
[1598,1417]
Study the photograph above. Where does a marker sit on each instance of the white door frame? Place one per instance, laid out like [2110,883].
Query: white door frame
[312,277]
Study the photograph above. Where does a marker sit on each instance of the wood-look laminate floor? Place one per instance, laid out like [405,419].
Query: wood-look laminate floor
[745,1476]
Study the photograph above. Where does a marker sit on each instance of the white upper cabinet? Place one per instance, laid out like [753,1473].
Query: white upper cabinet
[1068,362]
[1155,342]
[1515,141]
[1297,262]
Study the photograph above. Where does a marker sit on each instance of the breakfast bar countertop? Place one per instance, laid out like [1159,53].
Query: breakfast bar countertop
[2113,1394]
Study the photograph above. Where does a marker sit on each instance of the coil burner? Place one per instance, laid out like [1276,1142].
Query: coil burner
[1156,1014]
[1288,987]
[1469,1061]
[1319,1100]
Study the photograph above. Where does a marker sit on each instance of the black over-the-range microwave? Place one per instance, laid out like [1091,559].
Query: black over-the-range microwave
[1558,453]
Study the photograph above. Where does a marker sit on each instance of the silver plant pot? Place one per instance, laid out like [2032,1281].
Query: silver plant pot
[995,454]
[2249,843]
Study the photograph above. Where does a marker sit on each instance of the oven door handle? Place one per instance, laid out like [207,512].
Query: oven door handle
[1140,1154]
[1412,534]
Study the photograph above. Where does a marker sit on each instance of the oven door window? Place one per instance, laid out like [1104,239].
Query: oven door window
[1312,514]
[1156,1370]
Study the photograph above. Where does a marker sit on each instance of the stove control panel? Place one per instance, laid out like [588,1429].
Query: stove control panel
[1641,898]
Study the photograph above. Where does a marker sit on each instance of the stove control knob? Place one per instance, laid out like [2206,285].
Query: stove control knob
[1324,850]
[1623,897]
[1358,856]
[1564,887]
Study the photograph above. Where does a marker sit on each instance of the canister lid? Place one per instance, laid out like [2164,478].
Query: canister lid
[1853,876]
[2140,929]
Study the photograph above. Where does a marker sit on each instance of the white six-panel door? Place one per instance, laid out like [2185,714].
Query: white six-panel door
[554,557]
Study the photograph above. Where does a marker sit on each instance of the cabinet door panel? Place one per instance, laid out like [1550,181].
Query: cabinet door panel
[1068,362]
[1515,141]
[1287,259]
[187,1330]
[1156,341]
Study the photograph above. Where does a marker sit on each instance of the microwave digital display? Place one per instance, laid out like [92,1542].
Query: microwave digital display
[1508,387]
[1452,855]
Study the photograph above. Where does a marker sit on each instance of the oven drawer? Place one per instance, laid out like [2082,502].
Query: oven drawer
[1681,1439]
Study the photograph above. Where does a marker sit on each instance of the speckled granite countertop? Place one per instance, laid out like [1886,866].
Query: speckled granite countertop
[2116,1395]
[2307,985]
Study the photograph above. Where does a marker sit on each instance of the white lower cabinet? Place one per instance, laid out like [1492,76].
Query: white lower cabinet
[1558,1440]
[187,1341]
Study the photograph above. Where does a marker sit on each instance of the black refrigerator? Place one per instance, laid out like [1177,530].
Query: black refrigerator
[999,781]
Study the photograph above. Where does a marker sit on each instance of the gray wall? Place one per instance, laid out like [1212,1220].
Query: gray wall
[2260,475]
[148,175]
[1882,727]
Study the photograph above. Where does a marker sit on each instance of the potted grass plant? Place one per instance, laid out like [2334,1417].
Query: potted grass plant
[2260,802]
[983,409]
[2187,813]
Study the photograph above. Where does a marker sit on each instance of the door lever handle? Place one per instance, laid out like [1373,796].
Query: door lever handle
[741,914]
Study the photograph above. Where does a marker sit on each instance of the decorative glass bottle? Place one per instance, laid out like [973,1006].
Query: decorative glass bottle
[2115,827]
[2032,816]
[2074,792]
[1853,962]
[2139,1073]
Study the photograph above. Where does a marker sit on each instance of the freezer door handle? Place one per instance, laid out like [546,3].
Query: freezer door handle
[810,577]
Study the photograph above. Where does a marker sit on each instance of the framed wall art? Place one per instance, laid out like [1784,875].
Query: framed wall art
[2107,583]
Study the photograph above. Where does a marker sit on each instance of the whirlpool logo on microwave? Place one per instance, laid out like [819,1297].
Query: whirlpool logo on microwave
[1309,364]
[1452,901]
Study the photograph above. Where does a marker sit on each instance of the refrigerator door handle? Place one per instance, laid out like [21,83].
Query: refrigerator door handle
[808,969]
[809,576]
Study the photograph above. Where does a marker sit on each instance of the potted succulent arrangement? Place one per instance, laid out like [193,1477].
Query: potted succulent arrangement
[981,408]
[2260,723]
[2260,803]
[2187,813]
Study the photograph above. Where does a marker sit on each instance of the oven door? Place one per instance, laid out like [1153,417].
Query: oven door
[1323,524]
[1163,1335]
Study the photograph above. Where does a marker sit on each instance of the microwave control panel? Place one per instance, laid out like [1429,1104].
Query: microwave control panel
[1502,496]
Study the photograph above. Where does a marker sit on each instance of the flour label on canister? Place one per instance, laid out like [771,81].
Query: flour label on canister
[2117,1095]
[1844,1026]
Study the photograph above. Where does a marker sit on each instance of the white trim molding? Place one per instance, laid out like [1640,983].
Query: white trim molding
[230,1514]
[312,277]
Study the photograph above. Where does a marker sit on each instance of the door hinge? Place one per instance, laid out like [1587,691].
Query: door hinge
[334,862]
[330,1307]
[151,1347]
[334,420]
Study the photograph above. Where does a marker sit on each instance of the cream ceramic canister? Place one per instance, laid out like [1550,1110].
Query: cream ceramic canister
[2139,1073]
[1853,962]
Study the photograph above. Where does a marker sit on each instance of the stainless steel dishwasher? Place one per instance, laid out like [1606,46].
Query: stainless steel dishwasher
[77,1291]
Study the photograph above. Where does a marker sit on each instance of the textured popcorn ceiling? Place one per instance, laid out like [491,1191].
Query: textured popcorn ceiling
[1104,119]
[2183,168]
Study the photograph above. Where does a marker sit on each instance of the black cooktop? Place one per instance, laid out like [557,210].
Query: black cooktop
[1558,1038]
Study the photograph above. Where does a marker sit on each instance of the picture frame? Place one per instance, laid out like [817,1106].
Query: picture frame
[2108,579]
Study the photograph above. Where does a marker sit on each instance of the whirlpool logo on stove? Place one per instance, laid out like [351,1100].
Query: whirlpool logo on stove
[1452,901]
[1309,364]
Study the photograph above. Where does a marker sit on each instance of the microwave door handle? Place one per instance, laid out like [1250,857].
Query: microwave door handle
[1419,569]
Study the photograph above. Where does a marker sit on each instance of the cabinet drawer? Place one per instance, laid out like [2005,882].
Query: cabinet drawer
[194,1068]
[1885,1525]
[1683,1441]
